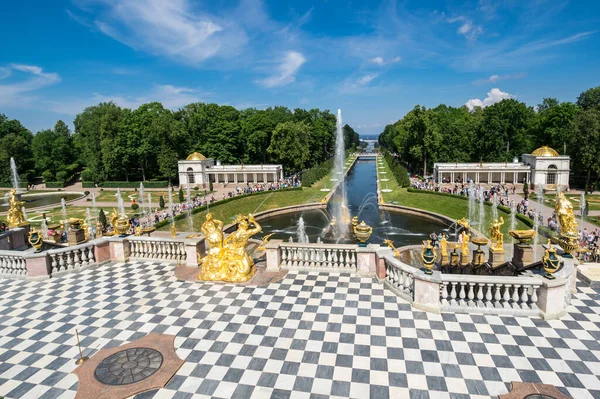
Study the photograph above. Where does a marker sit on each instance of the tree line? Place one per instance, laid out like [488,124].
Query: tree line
[114,143]
[499,133]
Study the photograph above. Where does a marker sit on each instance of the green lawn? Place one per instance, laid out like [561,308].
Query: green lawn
[110,195]
[593,201]
[251,204]
[454,208]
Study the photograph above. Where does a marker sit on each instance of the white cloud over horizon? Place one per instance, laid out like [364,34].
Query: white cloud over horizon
[380,61]
[497,78]
[20,92]
[495,95]
[285,71]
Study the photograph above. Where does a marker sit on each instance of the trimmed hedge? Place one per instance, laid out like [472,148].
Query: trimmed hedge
[127,184]
[55,184]
[399,171]
[313,175]
[221,202]
[9,185]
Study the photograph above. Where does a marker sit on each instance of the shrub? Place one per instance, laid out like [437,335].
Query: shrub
[87,176]
[399,171]
[181,196]
[48,175]
[62,176]
[102,218]
[525,189]
[126,184]
[314,174]
[196,188]
[135,206]
[86,192]
[210,186]
[161,202]
[55,184]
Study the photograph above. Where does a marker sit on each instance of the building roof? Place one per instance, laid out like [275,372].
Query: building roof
[195,156]
[545,151]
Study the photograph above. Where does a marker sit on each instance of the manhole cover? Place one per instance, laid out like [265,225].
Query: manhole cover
[128,366]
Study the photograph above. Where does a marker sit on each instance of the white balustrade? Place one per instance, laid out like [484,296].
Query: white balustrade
[399,277]
[71,258]
[314,256]
[490,294]
[157,248]
[12,265]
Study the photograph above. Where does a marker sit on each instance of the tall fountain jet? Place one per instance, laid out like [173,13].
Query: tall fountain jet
[14,175]
[341,211]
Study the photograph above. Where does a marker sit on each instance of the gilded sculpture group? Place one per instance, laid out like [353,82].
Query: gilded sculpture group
[227,259]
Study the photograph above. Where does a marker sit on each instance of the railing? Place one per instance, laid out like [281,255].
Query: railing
[314,256]
[400,277]
[490,294]
[12,265]
[157,248]
[71,258]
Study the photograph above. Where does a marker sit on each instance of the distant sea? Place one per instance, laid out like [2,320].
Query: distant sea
[369,136]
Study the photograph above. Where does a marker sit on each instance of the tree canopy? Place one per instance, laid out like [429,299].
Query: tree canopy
[500,132]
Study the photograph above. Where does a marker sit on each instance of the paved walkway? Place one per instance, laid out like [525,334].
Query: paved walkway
[312,335]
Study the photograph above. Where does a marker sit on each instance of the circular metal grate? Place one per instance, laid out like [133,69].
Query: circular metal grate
[128,366]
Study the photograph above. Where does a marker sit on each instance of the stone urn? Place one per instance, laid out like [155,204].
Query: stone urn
[362,232]
[121,225]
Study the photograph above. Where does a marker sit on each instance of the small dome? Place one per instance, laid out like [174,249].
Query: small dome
[545,151]
[195,156]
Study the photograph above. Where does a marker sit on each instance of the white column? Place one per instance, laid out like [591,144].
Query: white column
[514,177]
[464,177]
[477,178]
[281,173]
[226,177]
[502,177]
[489,177]
[245,178]
[264,177]
[235,177]
[452,177]
[254,178]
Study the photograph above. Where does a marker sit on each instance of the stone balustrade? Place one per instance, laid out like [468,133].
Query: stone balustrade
[71,258]
[157,248]
[399,277]
[490,294]
[12,265]
[310,256]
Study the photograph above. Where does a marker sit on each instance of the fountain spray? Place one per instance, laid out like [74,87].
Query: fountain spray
[63,205]
[340,155]
[471,202]
[171,214]
[88,219]
[301,231]
[120,203]
[44,229]
[14,176]
[582,209]
[481,210]
[189,209]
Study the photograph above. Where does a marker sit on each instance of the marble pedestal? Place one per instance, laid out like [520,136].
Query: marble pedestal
[75,236]
[522,255]
[496,257]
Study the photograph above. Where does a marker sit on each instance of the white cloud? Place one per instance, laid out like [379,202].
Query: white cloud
[380,61]
[19,92]
[175,28]
[495,95]
[285,72]
[497,78]
[170,96]
[366,79]
[466,28]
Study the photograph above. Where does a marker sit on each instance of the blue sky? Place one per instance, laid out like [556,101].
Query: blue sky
[373,60]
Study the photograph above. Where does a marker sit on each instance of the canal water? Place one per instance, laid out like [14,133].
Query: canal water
[361,192]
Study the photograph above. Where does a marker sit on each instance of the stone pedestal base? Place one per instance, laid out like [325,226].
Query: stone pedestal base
[522,255]
[75,236]
[496,257]
[465,259]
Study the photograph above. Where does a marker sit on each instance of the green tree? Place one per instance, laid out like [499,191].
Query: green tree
[181,196]
[102,218]
[15,142]
[161,202]
[555,123]
[289,145]
[586,142]
[590,99]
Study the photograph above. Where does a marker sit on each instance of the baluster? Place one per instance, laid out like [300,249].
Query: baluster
[506,296]
[453,298]
[91,259]
[498,296]
[283,253]
[61,262]
[515,296]
[77,258]
[462,295]
[335,258]
[444,293]
[488,296]
[480,288]
[329,257]
[168,251]
[534,297]
[11,260]
[525,297]
[353,259]
[471,294]
[294,257]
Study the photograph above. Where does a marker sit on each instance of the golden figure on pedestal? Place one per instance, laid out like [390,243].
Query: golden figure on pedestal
[496,235]
[227,259]
[465,243]
[390,244]
[464,223]
[568,224]
[444,246]
[15,212]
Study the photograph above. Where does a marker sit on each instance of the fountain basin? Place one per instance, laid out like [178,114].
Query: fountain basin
[44,199]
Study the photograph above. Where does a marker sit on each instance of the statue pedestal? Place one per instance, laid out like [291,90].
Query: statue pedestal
[75,236]
[465,259]
[478,257]
[522,255]
[496,257]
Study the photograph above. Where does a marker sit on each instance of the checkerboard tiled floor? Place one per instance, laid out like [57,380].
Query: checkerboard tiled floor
[311,335]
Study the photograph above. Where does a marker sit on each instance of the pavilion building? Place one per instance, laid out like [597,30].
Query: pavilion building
[198,170]
[544,167]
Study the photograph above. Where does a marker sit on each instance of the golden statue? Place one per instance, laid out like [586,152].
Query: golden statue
[138,230]
[120,223]
[391,245]
[566,218]
[464,223]
[173,231]
[465,243]
[15,210]
[444,246]
[496,235]
[568,224]
[265,240]
[228,260]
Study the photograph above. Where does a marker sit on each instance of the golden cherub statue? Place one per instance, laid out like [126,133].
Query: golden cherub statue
[391,245]
[496,235]
[465,242]
[265,240]
[15,210]
[227,259]
[444,246]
